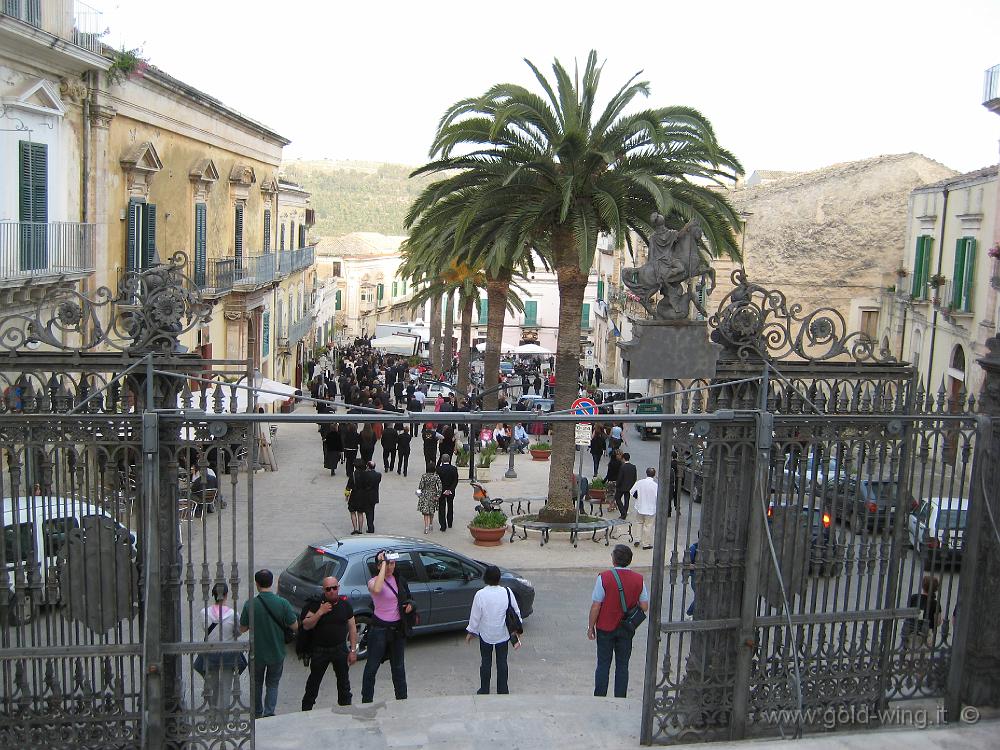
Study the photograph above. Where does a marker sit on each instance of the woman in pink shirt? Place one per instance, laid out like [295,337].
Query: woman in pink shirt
[387,630]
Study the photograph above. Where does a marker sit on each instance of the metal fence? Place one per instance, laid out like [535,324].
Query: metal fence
[45,248]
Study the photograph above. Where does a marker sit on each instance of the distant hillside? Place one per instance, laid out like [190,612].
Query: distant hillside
[357,196]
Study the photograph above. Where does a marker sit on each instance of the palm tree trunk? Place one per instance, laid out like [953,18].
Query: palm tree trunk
[572,285]
[449,328]
[496,296]
[465,344]
[435,342]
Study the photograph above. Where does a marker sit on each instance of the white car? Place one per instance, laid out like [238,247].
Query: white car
[438,389]
[937,529]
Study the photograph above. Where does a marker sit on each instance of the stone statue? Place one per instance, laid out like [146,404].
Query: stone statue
[675,260]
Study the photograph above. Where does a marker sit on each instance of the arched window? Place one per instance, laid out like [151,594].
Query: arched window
[958,359]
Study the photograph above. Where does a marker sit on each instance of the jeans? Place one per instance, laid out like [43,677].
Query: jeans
[219,685]
[446,511]
[486,653]
[266,675]
[321,659]
[618,643]
[383,639]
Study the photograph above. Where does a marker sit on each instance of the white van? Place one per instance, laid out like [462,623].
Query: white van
[34,530]
[937,529]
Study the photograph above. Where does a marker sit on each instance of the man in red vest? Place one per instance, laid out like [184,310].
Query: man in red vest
[605,624]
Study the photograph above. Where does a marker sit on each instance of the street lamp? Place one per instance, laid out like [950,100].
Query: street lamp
[744,215]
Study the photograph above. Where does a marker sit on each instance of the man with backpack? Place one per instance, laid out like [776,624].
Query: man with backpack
[273,618]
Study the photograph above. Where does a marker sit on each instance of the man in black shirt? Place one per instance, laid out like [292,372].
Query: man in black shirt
[330,625]
[449,483]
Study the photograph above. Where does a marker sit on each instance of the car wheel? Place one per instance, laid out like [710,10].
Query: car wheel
[362,622]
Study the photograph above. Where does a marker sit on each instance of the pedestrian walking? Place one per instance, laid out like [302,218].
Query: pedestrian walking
[429,495]
[537,384]
[355,502]
[220,668]
[333,448]
[273,616]
[617,438]
[430,441]
[488,622]
[366,443]
[367,485]
[447,444]
[449,483]
[627,474]
[605,621]
[390,446]
[330,625]
[350,442]
[644,493]
[598,444]
[403,439]
[918,632]
[387,630]
[611,475]
[599,376]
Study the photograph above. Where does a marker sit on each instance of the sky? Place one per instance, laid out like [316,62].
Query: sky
[786,85]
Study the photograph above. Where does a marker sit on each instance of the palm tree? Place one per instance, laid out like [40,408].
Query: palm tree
[449,328]
[435,337]
[547,170]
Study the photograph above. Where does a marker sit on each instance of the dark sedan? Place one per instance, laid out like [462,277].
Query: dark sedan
[442,582]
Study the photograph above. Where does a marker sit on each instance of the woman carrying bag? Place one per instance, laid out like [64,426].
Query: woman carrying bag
[394,616]
[220,668]
[488,620]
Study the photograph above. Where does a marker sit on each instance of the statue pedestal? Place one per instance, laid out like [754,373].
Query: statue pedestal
[669,349]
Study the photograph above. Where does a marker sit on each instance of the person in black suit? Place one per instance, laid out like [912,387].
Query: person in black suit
[366,483]
[449,483]
[627,476]
[403,439]
[390,443]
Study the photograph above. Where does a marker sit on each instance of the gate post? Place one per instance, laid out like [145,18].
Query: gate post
[974,677]
[152,655]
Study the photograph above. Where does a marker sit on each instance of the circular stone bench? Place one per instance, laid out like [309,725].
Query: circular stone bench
[607,525]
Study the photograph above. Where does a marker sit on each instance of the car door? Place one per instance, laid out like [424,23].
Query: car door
[917,523]
[452,583]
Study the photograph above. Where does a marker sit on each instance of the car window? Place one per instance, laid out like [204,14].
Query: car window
[404,567]
[442,567]
[26,532]
[313,565]
[55,531]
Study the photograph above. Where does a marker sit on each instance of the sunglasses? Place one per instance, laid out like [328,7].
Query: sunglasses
[330,588]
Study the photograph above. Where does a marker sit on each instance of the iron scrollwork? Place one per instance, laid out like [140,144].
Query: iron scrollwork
[754,322]
[151,309]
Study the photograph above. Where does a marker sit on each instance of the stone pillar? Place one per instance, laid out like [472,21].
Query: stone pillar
[99,206]
[975,674]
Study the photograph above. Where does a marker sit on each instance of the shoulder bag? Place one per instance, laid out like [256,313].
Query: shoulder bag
[286,631]
[511,618]
[633,617]
[407,620]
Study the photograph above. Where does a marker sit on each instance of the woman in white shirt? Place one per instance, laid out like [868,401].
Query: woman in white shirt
[220,624]
[488,620]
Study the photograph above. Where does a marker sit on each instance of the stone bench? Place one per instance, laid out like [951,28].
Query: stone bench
[607,525]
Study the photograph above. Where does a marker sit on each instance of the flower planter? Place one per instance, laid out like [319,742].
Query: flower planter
[539,455]
[599,496]
[483,474]
[487,537]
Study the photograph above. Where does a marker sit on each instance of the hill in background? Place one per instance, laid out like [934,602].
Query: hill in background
[357,196]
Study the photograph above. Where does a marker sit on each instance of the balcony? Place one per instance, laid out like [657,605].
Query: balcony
[290,261]
[34,251]
[298,330]
[621,300]
[991,90]
[83,27]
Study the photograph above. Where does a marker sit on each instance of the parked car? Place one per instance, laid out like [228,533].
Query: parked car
[870,504]
[612,399]
[937,530]
[826,552]
[437,389]
[648,429]
[34,531]
[506,369]
[801,472]
[442,582]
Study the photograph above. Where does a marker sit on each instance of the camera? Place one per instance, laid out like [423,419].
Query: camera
[391,556]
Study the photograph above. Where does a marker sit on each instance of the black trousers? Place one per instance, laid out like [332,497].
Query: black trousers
[321,659]
[388,459]
[621,500]
[370,518]
[349,457]
[404,463]
[446,511]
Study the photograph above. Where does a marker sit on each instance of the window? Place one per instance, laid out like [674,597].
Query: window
[530,312]
[404,567]
[19,539]
[141,239]
[338,304]
[964,276]
[921,267]
[442,567]
[484,311]
[404,288]
[869,324]
[395,288]
[200,232]
[302,235]
[267,230]
[585,318]
[34,205]
[336,269]
[380,292]
[238,236]
[291,235]
[265,337]
[600,289]
[55,532]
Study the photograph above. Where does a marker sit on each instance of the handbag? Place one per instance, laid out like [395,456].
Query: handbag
[407,620]
[633,617]
[214,660]
[285,630]
[512,619]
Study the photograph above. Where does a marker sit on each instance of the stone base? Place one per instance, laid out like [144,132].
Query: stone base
[669,350]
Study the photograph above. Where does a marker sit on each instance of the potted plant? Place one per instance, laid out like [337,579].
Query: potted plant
[488,528]
[462,456]
[598,490]
[540,451]
[936,281]
[484,460]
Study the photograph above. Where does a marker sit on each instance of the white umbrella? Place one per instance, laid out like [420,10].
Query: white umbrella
[279,391]
[532,349]
[505,348]
[397,344]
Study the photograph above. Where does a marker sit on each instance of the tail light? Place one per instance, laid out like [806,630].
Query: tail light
[914,505]
[933,543]
[872,507]
[770,511]
[826,520]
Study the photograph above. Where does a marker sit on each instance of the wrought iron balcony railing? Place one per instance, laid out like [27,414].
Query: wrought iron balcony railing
[30,249]
[621,300]
[290,261]
[991,89]
[298,330]
[84,27]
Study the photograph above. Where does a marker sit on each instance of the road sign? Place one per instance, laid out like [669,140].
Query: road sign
[583,433]
[584,407]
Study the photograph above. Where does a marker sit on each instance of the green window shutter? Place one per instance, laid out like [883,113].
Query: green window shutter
[957,275]
[970,273]
[530,312]
[925,273]
[238,235]
[34,205]
[265,344]
[600,289]
[484,312]
[585,318]
[291,235]
[149,234]
[404,287]
[200,242]
[339,301]
[379,292]
[395,288]
[918,264]
[302,235]
[282,245]
[267,230]
[132,243]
